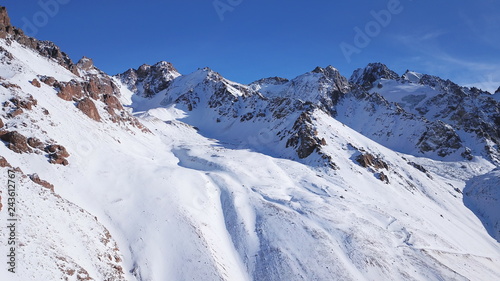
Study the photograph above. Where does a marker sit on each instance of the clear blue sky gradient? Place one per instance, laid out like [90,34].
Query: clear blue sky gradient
[250,39]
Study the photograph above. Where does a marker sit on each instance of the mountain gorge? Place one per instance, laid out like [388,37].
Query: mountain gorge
[156,175]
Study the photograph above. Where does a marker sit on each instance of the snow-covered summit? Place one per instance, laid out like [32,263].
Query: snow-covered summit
[365,77]
[412,76]
[496,95]
[149,80]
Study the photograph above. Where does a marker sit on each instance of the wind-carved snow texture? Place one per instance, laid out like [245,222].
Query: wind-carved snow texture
[482,196]
[195,177]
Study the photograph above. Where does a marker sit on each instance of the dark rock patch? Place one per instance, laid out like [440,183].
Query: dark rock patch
[88,107]
[16,142]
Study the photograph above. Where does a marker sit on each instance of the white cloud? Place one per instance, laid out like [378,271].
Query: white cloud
[436,61]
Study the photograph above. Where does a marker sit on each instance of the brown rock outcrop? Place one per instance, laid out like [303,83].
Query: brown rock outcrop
[383,177]
[44,48]
[35,143]
[57,149]
[5,27]
[49,80]
[16,112]
[88,107]
[57,154]
[10,85]
[24,103]
[4,163]
[97,86]
[69,90]
[36,83]
[16,142]
[36,179]
[112,102]
[85,64]
[367,160]
[305,139]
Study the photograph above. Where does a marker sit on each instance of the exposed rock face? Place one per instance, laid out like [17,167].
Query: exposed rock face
[271,81]
[367,160]
[97,87]
[470,110]
[24,103]
[44,48]
[441,138]
[148,79]
[374,71]
[332,76]
[49,80]
[112,105]
[4,163]
[1,123]
[112,102]
[7,56]
[58,149]
[100,85]
[383,177]
[418,167]
[17,105]
[36,179]
[16,142]
[85,64]
[70,90]
[57,154]
[15,112]
[5,26]
[304,140]
[35,143]
[10,85]
[36,83]
[88,107]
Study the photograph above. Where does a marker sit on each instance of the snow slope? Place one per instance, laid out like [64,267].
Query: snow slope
[232,182]
[482,195]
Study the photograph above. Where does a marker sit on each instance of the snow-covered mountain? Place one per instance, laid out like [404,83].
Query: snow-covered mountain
[156,175]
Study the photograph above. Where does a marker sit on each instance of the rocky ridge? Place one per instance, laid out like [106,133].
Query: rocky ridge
[437,127]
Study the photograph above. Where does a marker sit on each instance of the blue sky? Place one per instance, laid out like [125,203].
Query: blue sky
[246,40]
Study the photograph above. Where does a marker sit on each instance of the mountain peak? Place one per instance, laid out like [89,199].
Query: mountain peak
[371,73]
[331,73]
[209,73]
[154,78]
[5,26]
[327,70]
[271,81]
[165,65]
[206,69]
[4,17]
[331,68]
[85,63]
[246,176]
[412,76]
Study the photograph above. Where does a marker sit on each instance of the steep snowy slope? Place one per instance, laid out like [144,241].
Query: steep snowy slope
[336,203]
[482,195]
[457,120]
[56,240]
[214,180]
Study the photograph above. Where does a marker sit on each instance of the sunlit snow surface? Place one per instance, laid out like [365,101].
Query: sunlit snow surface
[185,204]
